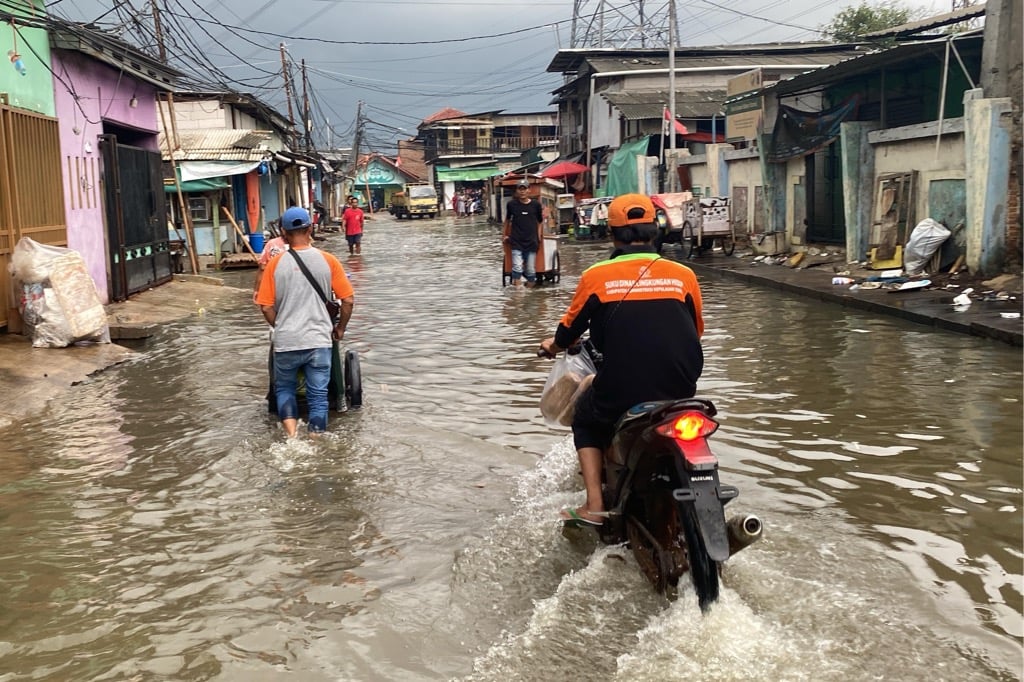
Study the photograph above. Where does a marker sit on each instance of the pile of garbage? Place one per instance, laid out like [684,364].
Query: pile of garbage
[57,298]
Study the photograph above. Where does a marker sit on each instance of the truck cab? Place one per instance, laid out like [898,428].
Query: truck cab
[415,199]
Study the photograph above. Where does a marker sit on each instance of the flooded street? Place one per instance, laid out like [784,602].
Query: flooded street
[154,524]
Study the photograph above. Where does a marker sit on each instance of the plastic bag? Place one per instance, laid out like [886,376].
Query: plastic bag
[59,303]
[924,241]
[569,378]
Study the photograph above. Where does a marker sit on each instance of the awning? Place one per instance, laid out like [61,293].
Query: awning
[201,170]
[445,174]
[643,106]
[204,185]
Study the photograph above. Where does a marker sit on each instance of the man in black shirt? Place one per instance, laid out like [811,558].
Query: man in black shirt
[523,218]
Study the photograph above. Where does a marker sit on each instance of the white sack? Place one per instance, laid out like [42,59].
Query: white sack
[924,241]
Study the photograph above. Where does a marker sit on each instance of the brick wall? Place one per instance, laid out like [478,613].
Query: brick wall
[1013,216]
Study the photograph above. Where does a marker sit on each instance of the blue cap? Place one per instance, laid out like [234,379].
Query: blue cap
[295,218]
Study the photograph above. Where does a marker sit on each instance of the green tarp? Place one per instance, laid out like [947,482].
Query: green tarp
[445,174]
[207,185]
[622,176]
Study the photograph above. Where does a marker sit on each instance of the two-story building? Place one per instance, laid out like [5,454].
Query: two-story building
[612,97]
[463,150]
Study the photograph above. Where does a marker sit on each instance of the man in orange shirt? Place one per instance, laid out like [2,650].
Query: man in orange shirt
[303,330]
[645,318]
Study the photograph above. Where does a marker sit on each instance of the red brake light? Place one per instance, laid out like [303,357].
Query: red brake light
[689,426]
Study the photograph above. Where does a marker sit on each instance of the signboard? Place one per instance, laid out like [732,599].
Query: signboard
[565,201]
[743,117]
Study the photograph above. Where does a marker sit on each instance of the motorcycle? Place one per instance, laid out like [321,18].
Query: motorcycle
[663,497]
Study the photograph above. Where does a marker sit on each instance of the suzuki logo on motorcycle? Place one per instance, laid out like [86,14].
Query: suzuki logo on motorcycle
[702,478]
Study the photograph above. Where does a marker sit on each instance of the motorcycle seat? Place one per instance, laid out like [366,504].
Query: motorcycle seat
[655,411]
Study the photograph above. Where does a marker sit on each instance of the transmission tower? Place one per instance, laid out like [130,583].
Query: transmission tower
[620,24]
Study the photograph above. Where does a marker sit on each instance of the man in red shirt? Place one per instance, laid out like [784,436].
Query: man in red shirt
[352,221]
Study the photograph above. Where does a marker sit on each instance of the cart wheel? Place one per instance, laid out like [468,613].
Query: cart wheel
[728,245]
[271,392]
[353,380]
[688,240]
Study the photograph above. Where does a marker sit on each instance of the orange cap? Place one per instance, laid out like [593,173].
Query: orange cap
[619,209]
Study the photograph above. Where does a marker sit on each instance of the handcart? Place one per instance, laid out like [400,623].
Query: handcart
[548,262]
[707,226]
[345,390]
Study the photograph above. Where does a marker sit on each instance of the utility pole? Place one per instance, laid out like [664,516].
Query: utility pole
[355,144]
[158,31]
[358,138]
[288,93]
[169,133]
[307,125]
[672,94]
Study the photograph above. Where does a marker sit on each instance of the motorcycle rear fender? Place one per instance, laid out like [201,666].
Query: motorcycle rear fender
[708,499]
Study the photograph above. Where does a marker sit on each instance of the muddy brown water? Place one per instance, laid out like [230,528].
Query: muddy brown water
[155,525]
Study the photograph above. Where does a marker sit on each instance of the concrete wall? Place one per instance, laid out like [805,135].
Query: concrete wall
[988,133]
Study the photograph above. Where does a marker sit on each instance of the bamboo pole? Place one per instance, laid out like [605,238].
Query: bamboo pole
[239,231]
[186,217]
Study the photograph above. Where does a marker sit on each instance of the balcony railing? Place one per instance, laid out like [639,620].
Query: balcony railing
[487,147]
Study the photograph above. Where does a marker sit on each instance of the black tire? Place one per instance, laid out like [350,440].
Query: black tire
[271,392]
[703,569]
[688,240]
[728,245]
[336,386]
[353,380]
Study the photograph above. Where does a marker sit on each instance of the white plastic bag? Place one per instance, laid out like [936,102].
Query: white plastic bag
[924,241]
[569,378]
[59,302]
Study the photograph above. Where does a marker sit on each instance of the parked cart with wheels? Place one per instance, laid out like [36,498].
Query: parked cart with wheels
[707,226]
[548,262]
[345,390]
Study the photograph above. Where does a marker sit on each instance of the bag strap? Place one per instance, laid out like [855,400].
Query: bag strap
[308,274]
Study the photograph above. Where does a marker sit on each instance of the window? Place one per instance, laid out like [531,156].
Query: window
[199,208]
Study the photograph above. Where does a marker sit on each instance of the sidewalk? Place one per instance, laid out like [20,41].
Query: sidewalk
[32,377]
[932,306]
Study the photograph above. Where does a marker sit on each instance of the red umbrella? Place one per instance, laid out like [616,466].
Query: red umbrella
[563,169]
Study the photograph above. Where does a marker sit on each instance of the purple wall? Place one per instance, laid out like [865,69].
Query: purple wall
[103,94]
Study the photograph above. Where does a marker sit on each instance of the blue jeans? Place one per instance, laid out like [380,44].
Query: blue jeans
[316,365]
[521,258]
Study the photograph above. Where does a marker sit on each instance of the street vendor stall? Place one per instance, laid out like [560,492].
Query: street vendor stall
[548,262]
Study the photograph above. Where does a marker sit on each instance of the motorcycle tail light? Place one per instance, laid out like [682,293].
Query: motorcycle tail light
[690,431]
[688,426]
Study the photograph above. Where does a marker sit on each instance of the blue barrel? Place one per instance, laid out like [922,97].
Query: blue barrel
[256,242]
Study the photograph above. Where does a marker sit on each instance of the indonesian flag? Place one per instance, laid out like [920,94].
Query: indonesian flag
[680,128]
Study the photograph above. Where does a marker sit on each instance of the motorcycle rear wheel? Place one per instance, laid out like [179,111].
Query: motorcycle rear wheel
[703,569]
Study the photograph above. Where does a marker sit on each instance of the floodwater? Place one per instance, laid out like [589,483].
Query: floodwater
[154,524]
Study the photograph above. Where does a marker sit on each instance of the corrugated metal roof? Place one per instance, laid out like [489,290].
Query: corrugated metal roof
[606,65]
[638,106]
[929,51]
[222,145]
[937,21]
[570,60]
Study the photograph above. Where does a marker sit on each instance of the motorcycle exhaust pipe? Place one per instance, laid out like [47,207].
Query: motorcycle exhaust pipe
[743,531]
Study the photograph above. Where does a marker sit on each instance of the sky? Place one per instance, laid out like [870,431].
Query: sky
[406,59]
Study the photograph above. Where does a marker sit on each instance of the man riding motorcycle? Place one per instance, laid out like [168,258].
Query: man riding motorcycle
[644,314]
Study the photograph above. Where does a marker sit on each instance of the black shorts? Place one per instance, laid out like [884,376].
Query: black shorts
[354,239]
[589,429]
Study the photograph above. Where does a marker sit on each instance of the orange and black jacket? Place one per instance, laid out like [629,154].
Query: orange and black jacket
[644,313]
